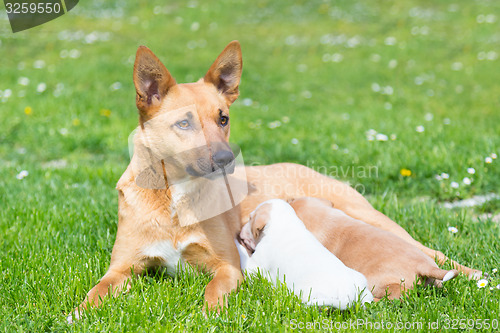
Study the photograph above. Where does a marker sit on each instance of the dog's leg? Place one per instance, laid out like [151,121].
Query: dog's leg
[220,256]
[436,276]
[112,283]
[226,279]
[377,219]
[394,291]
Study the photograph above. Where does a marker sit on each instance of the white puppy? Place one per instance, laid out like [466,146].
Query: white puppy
[283,248]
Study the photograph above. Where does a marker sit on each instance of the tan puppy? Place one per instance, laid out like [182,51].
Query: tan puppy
[149,231]
[390,264]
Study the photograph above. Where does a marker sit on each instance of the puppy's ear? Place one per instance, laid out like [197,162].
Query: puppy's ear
[225,72]
[261,217]
[152,82]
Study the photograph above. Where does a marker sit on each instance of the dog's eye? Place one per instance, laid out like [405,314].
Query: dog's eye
[224,120]
[183,124]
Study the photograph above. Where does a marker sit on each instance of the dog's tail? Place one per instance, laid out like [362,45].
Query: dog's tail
[436,275]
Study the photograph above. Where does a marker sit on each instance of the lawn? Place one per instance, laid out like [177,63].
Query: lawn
[406,89]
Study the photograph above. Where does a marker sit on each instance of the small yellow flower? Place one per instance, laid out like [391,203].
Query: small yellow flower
[243,316]
[28,110]
[105,112]
[405,172]
[76,122]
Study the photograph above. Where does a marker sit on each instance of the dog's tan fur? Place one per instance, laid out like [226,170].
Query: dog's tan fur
[145,214]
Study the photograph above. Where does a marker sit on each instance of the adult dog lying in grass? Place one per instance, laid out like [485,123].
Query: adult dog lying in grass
[149,232]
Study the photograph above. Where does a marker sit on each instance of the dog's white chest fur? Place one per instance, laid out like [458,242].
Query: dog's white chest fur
[170,255]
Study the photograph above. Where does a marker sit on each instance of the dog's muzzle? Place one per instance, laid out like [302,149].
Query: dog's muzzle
[223,158]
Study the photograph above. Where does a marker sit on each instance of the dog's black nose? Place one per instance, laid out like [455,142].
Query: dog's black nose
[223,158]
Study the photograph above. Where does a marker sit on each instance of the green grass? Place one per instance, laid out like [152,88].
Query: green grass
[58,224]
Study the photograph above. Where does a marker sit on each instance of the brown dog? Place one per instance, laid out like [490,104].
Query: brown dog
[390,264]
[149,233]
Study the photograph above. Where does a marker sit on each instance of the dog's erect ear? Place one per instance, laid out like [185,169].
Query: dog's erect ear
[225,72]
[152,81]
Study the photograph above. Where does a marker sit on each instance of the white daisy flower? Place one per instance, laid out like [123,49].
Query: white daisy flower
[337,57]
[482,283]
[457,66]
[21,175]
[388,90]
[454,184]
[24,81]
[38,64]
[467,181]
[115,86]
[390,41]
[195,26]
[488,160]
[493,156]
[247,102]
[375,57]
[494,270]
[471,171]
[420,129]
[295,141]
[306,94]
[74,53]
[274,124]
[444,175]
[381,137]
[453,230]
[41,87]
